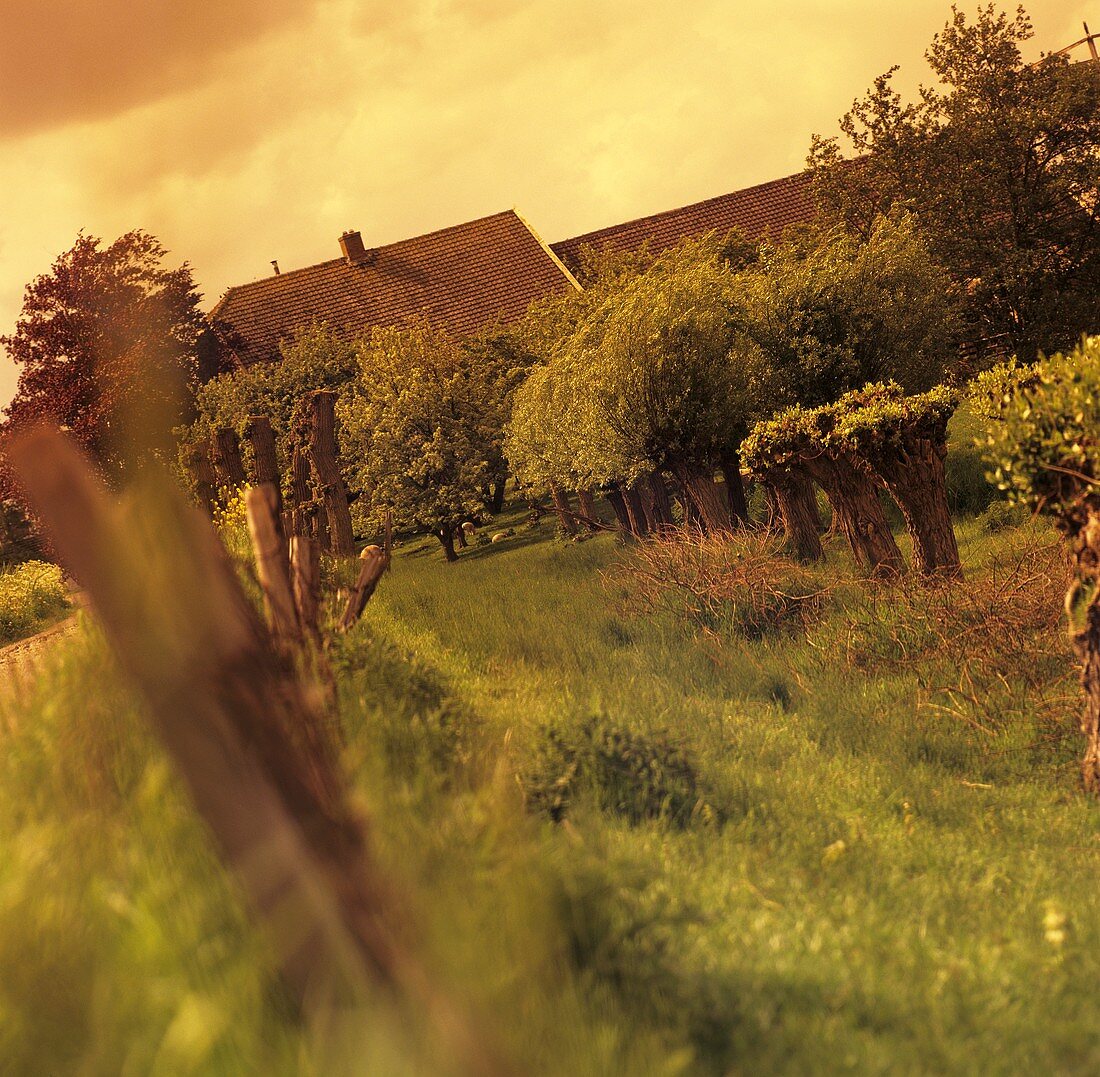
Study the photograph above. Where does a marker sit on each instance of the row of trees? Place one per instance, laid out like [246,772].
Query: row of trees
[669,371]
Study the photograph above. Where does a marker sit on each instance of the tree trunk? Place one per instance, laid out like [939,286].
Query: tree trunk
[636,510]
[227,459]
[1083,613]
[709,499]
[301,491]
[561,507]
[618,505]
[797,508]
[202,475]
[661,500]
[915,477]
[588,509]
[735,489]
[446,536]
[496,502]
[265,460]
[326,465]
[854,496]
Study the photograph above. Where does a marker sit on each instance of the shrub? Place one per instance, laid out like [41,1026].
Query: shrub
[741,584]
[1001,516]
[30,596]
[634,775]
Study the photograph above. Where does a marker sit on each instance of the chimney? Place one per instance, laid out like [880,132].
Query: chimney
[351,244]
[275,265]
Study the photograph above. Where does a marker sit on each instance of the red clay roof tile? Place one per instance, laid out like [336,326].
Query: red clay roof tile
[459,279]
[767,208]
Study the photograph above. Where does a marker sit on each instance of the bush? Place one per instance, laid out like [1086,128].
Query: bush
[31,596]
[741,584]
[1001,516]
[633,775]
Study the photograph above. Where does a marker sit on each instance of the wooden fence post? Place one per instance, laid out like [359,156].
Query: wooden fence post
[272,566]
[200,469]
[227,459]
[305,573]
[326,466]
[265,460]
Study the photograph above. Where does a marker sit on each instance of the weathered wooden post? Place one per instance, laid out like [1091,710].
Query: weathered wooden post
[265,459]
[272,566]
[197,461]
[227,459]
[305,574]
[326,466]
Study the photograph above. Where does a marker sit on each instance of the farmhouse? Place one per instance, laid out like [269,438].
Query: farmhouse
[459,279]
[469,275]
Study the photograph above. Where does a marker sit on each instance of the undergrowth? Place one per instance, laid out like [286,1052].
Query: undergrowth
[32,596]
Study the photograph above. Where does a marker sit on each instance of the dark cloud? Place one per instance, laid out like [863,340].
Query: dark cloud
[65,62]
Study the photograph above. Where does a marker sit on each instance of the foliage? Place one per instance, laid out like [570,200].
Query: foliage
[31,595]
[998,162]
[314,358]
[638,776]
[106,344]
[420,428]
[643,382]
[880,420]
[1044,448]
[847,311]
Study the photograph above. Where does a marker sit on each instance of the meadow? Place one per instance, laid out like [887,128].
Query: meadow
[813,826]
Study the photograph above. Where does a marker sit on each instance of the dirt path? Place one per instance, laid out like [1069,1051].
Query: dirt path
[20,656]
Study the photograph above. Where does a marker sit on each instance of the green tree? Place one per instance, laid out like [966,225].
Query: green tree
[827,318]
[314,358]
[652,364]
[1042,442]
[414,430]
[998,160]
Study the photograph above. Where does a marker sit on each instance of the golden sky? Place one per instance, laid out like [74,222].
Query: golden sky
[239,131]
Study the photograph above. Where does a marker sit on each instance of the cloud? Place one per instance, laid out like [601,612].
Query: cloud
[61,63]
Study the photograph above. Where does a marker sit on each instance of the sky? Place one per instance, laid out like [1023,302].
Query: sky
[241,131]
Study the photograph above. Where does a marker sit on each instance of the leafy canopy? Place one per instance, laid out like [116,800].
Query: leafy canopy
[414,429]
[106,344]
[998,162]
[827,318]
[1045,445]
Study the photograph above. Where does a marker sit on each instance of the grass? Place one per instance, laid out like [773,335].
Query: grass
[32,596]
[639,840]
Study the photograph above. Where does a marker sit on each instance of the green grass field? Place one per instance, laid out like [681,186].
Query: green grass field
[642,836]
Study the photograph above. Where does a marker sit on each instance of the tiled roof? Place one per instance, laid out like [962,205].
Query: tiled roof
[459,279]
[767,208]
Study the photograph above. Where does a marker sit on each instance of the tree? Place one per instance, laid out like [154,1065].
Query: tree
[414,430]
[998,162]
[106,346]
[314,358]
[799,441]
[1042,443]
[827,317]
[654,362]
[904,441]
